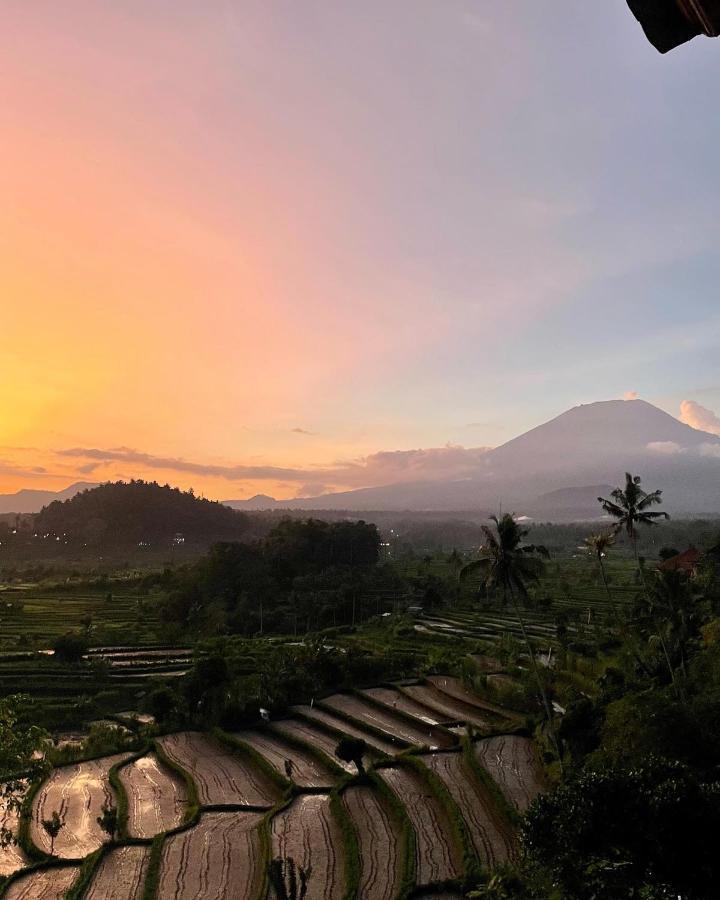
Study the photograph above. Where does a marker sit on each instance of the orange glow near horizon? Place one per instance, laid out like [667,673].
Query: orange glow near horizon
[236,238]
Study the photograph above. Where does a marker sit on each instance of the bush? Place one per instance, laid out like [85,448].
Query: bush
[70,647]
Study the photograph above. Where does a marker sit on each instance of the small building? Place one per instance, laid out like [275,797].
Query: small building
[684,562]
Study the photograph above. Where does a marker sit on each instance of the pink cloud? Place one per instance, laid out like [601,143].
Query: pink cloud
[700,417]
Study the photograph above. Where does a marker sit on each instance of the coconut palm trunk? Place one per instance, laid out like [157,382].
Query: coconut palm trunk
[631,508]
[536,674]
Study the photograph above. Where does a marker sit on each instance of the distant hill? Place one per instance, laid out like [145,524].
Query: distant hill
[128,514]
[32,501]
[552,471]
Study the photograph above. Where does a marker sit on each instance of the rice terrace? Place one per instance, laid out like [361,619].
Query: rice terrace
[359,450]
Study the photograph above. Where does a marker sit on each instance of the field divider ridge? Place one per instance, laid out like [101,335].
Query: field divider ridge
[363,726]
[51,862]
[193,811]
[406,830]
[460,835]
[401,714]
[238,746]
[320,757]
[337,733]
[480,773]
[265,843]
[351,844]
[120,792]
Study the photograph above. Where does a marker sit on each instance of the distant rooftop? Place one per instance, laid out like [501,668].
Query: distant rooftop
[669,23]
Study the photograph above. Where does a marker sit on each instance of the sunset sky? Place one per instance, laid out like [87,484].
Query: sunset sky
[258,245]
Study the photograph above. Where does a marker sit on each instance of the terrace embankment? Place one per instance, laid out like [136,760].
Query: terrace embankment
[217,859]
[77,793]
[513,762]
[222,777]
[120,875]
[437,858]
[491,836]
[379,843]
[307,832]
[157,798]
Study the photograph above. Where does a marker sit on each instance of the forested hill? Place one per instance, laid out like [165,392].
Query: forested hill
[127,514]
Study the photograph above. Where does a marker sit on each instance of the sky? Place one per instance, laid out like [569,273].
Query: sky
[281,247]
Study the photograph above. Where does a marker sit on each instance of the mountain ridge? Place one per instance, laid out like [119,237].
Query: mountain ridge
[584,447]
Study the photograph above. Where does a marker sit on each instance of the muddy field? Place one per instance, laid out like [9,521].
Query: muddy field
[379,846]
[305,770]
[12,857]
[78,793]
[305,732]
[221,776]
[423,735]
[50,884]
[157,798]
[319,715]
[215,860]
[449,709]
[513,762]
[120,876]
[411,705]
[491,836]
[436,858]
[307,832]
[454,688]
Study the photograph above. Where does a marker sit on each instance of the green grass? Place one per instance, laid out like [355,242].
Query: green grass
[235,745]
[87,872]
[193,809]
[152,876]
[460,834]
[406,834]
[351,846]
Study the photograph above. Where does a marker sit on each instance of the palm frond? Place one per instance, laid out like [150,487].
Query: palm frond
[480,566]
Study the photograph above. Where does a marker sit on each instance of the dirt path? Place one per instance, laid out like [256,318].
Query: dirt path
[220,775]
[12,857]
[379,844]
[307,831]
[436,858]
[454,687]
[319,715]
[215,860]
[421,734]
[315,736]
[513,762]
[157,799]
[491,837]
[120,876]
[412,706]
[49,884]
[77,793]
[306,771]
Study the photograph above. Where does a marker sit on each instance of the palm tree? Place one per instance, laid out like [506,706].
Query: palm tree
[598,545]
[507,564]
[631,508]
[671,593]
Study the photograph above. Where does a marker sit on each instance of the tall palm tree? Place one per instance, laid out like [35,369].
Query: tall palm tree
[598,545]
[508,565]
[672,594]
[631,508]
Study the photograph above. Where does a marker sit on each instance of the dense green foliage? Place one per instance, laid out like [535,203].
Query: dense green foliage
[302,576]
[125,514]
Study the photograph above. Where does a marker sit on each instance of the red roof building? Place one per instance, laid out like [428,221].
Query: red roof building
[686,562]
